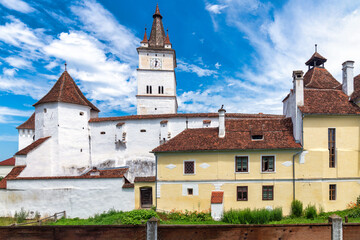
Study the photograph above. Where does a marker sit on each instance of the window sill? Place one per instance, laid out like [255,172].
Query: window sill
[242,172]
[269,172]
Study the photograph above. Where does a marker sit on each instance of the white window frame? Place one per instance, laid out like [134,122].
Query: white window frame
[261,163]
[248,170]
[184,167]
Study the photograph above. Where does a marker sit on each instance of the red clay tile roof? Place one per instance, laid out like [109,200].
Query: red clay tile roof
[28,124]
[277,134]
[94,173]
[32,146]
[12,174]
[167,40]
[183,115]
[327,101]
[128,185]
[320,78]
[8,162]
[206,121]
[217,197]
[66,90]
[145,179]
[316,57]
[356,94]
[120,124]
[163,121]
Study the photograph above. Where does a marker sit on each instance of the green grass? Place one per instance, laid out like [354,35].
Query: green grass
[5,221]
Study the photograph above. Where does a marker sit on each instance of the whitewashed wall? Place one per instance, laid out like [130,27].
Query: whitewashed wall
[135,153]
[26,137]
[4,170]
[78,197]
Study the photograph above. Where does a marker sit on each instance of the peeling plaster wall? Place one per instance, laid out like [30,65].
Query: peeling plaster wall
[78,197]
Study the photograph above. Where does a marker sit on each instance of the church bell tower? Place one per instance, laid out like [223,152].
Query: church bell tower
[156,93]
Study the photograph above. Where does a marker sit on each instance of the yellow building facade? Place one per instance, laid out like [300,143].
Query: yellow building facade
[310,153]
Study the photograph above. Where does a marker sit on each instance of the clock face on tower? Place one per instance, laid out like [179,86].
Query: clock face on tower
[155,63]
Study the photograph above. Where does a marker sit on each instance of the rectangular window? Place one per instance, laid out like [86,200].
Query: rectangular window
[189,167]
[268,163]
[190,191]
[241,164]
[242,193]
[331,142]
[332,192]
[148,89]
[268,192]
[161,90]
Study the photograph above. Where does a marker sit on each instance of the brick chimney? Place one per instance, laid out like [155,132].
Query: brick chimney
[222,122]
[348,77]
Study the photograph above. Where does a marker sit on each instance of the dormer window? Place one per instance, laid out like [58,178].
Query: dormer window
[257,137]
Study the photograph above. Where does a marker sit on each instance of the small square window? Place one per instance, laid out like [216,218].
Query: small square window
[268,163]
[241,164]
[102,133]
[190,191]
[332,192]
[268,192]
[189,167]
[143,130]
[242,193]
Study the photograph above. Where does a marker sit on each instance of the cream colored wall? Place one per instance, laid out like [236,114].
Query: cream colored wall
[137,187]
[222,165]
[316,143]
[167,61]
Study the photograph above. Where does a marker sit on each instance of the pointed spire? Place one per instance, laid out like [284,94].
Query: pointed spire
[157,34]
[157,11]
[145,40]
[65,65]
[167,40]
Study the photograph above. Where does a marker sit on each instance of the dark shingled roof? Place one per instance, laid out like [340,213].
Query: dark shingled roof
[320,78]
[217,196]
[327,101]
[32,146]
[145,179]
[66,90]
[28,124]
[8,162]
[183,115]
[157,34]
[316,57]
[277,134]
[12,174]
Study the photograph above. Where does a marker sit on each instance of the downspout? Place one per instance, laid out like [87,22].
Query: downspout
[156,182]
[293,177]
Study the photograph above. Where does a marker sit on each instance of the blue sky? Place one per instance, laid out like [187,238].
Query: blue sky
[240,53]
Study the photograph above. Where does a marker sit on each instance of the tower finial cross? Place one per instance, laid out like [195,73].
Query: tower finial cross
[65,65]
[315,47]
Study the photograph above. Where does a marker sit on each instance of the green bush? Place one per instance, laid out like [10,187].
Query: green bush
[354,213]
[310,212]
[189,216]
[21,216]
[256,216]
[296,208]
[358,201]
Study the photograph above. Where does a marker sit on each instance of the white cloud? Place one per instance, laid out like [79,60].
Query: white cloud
[283,39]
[7,114]
[102,24]
[18,62]
[9,71]
[201,72]
[214,8]
[217,65]
[17,5]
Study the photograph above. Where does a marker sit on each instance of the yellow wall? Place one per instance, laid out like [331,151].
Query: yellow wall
[137,187]
[316,143]
[313,175]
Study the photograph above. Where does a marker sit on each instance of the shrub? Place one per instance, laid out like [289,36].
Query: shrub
[256,216]
[189,216]
[310,211]
[21,216]
[296,208]
[354,213]
[358,201]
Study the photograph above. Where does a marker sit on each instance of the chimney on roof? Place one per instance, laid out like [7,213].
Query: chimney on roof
[222,122]
[298,81]
[348,77]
